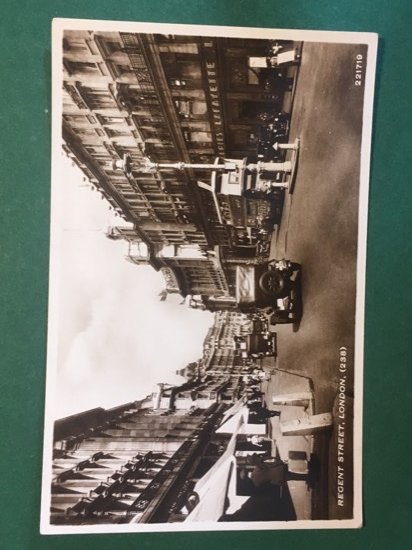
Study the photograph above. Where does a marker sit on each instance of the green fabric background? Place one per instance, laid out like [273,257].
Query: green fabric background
[24,199]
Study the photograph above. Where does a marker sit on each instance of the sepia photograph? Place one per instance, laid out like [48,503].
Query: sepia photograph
[207,277]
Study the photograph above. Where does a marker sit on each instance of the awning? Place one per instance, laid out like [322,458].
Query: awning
[231,424]
[212,189]
[234,409]
[286,57]
[213,494]
[212,487]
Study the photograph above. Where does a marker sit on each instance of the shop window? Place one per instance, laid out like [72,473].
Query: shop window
[202,148]
[190,71]
[199,107]
[198,137]
[195,125]
[205,158]
[253,77]
[238,73]
[252,110]
[187,48]
[183,108]
[241,138]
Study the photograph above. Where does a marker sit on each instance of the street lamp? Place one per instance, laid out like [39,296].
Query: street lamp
[227,165]
[240,169]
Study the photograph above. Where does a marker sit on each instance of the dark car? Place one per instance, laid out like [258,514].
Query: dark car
[259,324]
[256,345]
[271,287]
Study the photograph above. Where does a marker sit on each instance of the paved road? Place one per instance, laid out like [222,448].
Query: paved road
[319,222]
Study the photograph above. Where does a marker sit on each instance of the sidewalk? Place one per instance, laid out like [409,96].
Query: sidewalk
[283,383]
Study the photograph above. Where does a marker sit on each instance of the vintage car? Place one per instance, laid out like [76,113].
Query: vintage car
[256,345]
[271,287]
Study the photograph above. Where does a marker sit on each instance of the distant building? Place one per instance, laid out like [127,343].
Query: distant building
[219,355]
[226,326]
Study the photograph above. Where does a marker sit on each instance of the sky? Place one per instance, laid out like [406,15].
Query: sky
[115,339]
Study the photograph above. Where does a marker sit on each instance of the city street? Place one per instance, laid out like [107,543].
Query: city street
[319,230]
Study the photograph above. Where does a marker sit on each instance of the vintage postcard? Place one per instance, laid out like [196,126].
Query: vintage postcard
[207,278]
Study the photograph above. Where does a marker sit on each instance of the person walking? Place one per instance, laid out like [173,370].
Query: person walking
[258,413]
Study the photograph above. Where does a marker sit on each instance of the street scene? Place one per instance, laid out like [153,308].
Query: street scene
[232,169]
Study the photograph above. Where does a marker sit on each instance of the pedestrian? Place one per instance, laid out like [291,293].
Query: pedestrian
[258,414]
[254,395]
[274,471]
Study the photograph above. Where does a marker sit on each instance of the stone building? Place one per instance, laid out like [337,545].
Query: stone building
[171,98]
[219,355]
[128,465]
[137,463]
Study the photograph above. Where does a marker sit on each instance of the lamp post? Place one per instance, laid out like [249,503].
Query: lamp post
[148,166]
[238,168]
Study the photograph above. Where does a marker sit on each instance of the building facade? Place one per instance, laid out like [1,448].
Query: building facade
[173,99]
[131,464]
[138,462]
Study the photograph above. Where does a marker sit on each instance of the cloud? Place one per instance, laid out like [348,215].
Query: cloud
[116,339]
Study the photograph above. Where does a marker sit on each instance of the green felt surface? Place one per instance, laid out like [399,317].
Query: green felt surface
[24,199]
